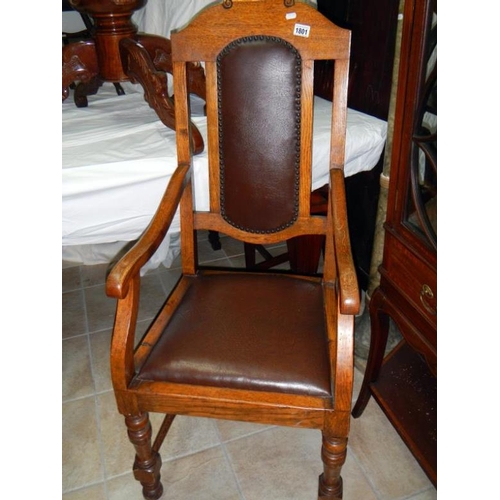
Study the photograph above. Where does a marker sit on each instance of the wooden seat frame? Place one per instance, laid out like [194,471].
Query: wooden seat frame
[204,39]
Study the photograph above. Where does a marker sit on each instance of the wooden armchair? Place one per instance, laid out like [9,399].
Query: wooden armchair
[263,347]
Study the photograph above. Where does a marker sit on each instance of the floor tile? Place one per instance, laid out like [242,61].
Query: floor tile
[205,251]
[71,279]
[356,485]
[430,494]
[74,321]
[140,329]
[100,343]
[77,379]
[206,475]
[169,279]
[117,450]
[231,247]
[125,487]
[100,308]
[394,473]
[100,347]
[94,275]
[202,476]
[187,435]
[94,492]
[280,463]
[81,458]
[288,463]
[152,296]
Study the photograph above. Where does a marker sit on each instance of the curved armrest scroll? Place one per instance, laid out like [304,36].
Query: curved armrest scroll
[129,265]
[348,281]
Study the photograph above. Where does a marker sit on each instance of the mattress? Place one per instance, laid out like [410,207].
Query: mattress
[118,157]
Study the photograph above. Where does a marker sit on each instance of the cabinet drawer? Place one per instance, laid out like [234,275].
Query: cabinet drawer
[414,278]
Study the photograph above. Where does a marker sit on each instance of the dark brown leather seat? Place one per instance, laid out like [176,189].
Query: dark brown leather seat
[263,347]
[210,345]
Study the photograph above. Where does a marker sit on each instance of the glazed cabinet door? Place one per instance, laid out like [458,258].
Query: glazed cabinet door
[413,200]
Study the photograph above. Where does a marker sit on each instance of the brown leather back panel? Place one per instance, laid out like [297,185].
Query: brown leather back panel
[259,120]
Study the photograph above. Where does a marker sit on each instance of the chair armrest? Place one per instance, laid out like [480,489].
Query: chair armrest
[347,278]
[129,265]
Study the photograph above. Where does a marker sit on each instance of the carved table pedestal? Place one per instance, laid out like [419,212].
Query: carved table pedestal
[116,52]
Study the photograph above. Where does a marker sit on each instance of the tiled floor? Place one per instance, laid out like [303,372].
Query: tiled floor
[202,458]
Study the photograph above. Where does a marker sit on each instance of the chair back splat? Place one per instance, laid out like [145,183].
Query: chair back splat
[267,347]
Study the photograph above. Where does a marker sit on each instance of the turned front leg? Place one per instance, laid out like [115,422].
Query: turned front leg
[147,463]
[333,454]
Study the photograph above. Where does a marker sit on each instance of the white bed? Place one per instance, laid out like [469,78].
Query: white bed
[117,159]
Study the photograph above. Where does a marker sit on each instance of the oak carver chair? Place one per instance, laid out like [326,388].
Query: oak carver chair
[266,347]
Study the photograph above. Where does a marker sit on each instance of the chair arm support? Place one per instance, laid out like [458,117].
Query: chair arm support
[129,265]
[347,278]
[344,362]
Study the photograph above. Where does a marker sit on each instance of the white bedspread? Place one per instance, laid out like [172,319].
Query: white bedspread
[118,157]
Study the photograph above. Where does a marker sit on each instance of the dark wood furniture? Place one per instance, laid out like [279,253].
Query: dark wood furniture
[254,346]
[116,52]
[82,36]
[373,26]
[96,60]
[404,383]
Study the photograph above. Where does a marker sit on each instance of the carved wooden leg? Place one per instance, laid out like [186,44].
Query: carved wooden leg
[79,63]
[84,89]
[139,68]
[333,454]
[379,332]
[147,461]
[160,51]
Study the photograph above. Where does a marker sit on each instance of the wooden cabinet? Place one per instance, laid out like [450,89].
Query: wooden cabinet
[404,382]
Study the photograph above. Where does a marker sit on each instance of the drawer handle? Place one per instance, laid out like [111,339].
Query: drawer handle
[426,293]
